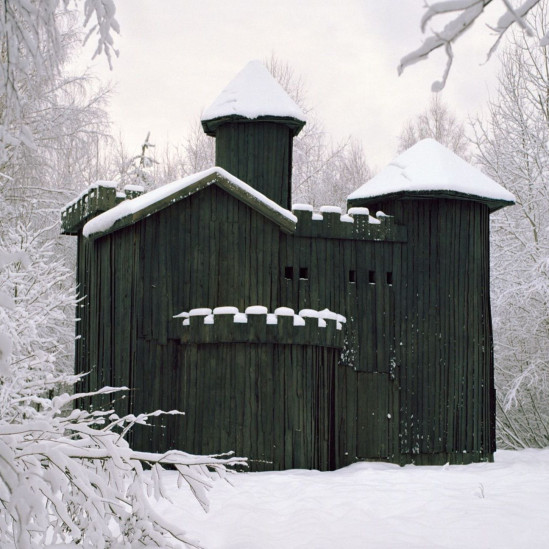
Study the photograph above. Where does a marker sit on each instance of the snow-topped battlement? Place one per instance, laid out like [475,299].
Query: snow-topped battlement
[256,325]
[356,224]
[96,199]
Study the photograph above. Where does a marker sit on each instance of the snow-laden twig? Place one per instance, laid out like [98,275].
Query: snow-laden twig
[67,476]
[68,479]
[466,14]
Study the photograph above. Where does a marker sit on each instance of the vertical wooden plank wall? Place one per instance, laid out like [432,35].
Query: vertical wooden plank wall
[414,382]
[211,250]
[240,145]
[443,336]
[252,399]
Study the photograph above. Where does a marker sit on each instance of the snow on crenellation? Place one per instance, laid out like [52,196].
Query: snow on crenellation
[252,93]
[96,185]
[302,207]
[201,311]
[134,188]
[330,209]
[348,217]
[429,166]
[358,211]
[106,220]
[271,318]
[225,311]
[256,310]
[284,311]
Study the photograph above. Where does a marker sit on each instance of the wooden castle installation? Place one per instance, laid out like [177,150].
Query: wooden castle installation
[299,339]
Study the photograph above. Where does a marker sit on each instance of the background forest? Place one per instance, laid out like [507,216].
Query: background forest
[56,139]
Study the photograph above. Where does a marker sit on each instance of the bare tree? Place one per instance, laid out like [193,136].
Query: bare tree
[438,122]
[324,173]
[33,44]
[512,145]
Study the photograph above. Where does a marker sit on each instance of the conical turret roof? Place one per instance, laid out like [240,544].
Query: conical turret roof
[253,94]
[430,170]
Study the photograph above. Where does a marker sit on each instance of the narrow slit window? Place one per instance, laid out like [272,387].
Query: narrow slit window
[390,279]
[289,273]
[303,273]
[352,277]
[371,277]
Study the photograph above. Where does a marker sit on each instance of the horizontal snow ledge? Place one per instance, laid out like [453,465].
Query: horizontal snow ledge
[348,217]
[96,185]
[208,315]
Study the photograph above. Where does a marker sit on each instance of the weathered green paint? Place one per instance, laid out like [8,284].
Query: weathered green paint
[410,377]
[239,144]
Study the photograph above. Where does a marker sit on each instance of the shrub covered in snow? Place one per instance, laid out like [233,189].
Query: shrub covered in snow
[68,478]
[72,479]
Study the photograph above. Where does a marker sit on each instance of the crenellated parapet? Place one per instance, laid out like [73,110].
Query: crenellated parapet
[257,325]
[96,199]
[356,224]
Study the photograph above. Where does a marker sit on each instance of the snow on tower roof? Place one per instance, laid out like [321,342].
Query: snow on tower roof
[429,169]
[253,93]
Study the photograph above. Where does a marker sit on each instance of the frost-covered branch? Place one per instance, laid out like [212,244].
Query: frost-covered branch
[70,479]
[33,50]
[512,144]
[67,476]
[466,13]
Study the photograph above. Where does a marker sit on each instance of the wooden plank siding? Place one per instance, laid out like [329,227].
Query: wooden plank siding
[414,382]
[240,145]
[443,342]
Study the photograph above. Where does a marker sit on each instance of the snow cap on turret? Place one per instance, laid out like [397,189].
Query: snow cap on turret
[430,170]
[253,94]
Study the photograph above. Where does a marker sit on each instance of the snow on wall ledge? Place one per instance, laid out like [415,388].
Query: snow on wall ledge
[257,325]
[429,166]
[172,192]
[270,318]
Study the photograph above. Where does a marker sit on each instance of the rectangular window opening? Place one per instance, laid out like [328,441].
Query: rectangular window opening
[371,277]
[289,273]
[390,279]
[303,273]
[352,277]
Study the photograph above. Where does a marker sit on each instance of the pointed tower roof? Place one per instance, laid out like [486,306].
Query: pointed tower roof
[253,94]
[430,170]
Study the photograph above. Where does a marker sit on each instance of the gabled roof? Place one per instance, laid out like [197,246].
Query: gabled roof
[131,211]
[253,94]
[430,170]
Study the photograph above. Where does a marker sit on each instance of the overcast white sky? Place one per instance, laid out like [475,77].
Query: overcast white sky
[177,55]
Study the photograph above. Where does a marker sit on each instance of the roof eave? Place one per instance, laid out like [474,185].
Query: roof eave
[210,126]
[493,204]
[286,225]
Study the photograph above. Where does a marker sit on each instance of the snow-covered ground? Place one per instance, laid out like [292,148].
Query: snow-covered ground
[372,505]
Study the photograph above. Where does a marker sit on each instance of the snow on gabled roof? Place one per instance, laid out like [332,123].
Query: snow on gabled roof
[428,169]
[254,94]
[131,211]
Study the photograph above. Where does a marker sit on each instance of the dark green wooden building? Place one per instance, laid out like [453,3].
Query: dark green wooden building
[295,338]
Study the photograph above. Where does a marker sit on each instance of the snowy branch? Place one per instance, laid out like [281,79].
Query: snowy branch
[466,14]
